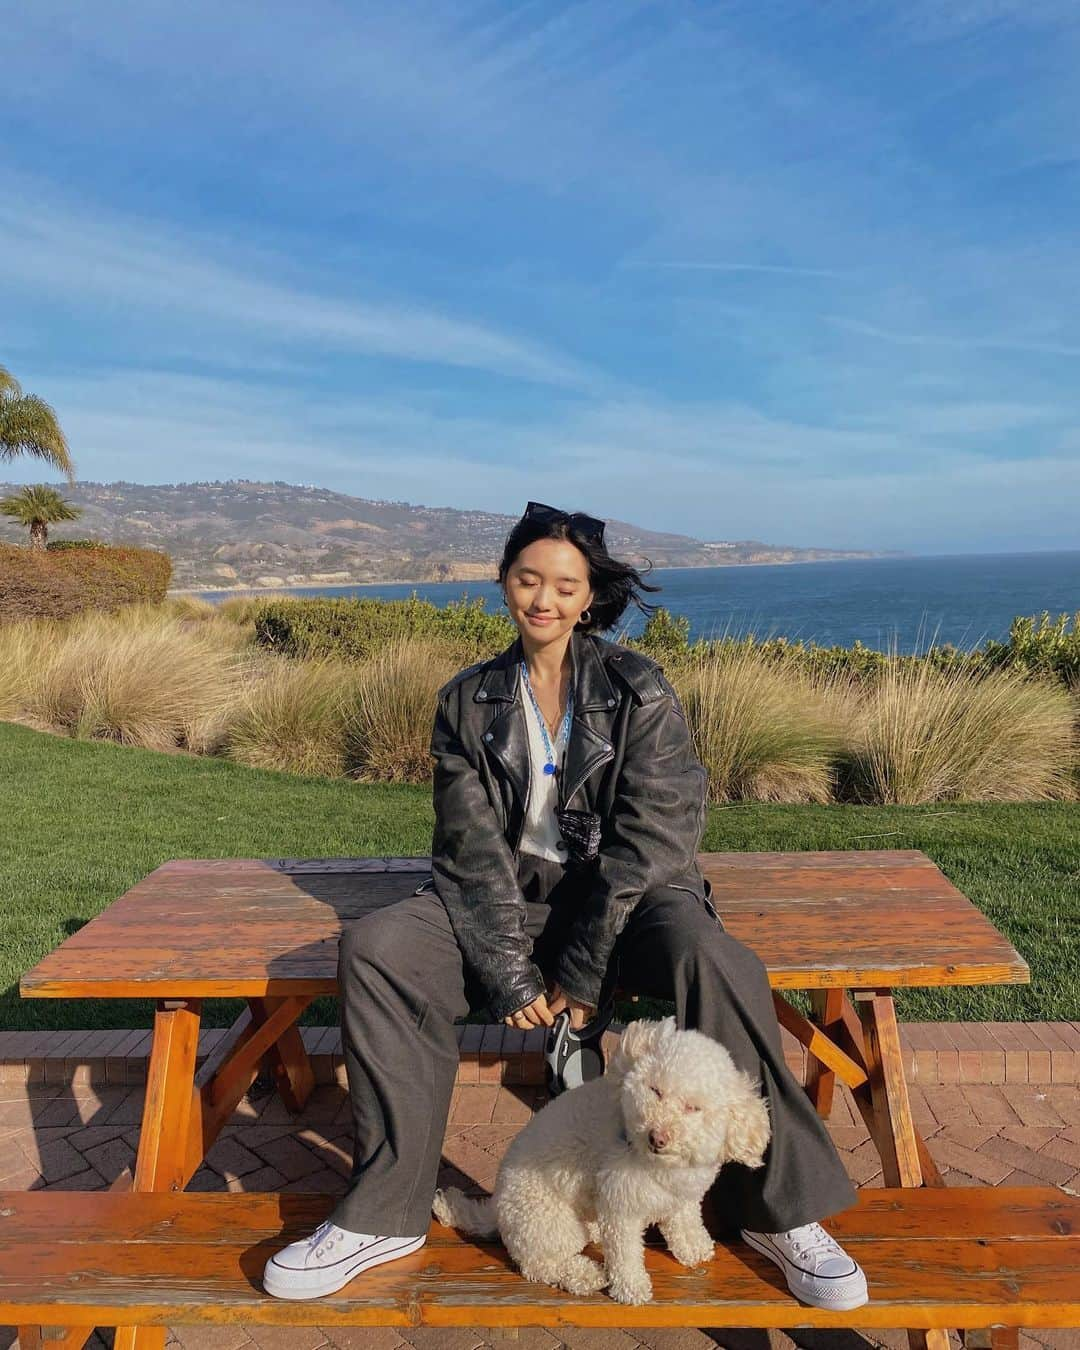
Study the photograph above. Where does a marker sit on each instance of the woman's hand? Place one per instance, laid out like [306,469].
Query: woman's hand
[534,1014]
[580,1013]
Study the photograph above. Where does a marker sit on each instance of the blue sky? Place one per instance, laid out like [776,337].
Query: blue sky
[800,272]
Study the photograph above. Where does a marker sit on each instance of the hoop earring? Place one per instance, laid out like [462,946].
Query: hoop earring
[584,616]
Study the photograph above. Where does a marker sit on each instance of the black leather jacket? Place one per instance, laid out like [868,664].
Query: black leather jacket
[630,758]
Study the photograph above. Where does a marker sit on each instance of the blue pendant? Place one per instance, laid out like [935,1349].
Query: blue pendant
[549,768]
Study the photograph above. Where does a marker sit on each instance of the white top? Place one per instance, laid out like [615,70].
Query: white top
[541,836]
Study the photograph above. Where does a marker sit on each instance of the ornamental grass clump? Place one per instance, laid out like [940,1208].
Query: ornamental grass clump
[763,733]
[392,709]
[924,735]
[25,647]
[291,717]
[135,680]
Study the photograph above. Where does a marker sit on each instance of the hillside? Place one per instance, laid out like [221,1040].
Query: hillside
[240,533]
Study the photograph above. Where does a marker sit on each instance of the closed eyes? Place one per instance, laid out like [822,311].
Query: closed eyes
[533,583]
[687,1106]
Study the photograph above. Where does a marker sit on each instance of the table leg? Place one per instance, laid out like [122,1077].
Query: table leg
[893,1129]
[163,1136]
[826,1012]
[889,1115]
[163,1149]
[287,1057]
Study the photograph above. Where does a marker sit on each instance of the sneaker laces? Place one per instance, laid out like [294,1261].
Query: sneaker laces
[810,1240]
[325,1230]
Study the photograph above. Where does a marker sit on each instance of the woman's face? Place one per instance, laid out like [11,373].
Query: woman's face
[547,587]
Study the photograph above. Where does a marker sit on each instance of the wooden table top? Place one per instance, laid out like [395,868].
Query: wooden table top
[224,927]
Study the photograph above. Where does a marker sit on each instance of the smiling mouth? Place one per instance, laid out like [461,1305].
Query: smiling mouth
[536,618]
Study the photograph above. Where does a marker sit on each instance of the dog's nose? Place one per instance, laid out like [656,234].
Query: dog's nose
[658,1140]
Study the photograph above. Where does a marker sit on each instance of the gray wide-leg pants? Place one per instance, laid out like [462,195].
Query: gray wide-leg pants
[402,985]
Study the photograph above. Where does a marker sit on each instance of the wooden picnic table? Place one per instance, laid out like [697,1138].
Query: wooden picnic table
[850,926]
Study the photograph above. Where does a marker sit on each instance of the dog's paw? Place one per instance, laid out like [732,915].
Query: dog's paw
[693,1254]
[583,1275]
[636,1289]
[441,1209]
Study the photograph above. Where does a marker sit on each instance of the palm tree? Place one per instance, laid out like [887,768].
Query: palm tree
[28,426]
[38,507]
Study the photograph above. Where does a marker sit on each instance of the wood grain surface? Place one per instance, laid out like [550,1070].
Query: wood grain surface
[201,928]
[934,1258]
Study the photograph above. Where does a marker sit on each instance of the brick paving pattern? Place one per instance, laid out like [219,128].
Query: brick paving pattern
[934,1053]
[77,1136]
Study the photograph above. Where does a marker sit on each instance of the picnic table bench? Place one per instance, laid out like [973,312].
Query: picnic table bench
[848,926]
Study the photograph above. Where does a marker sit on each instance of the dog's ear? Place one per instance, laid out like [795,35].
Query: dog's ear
[748,1130]
[639,1039]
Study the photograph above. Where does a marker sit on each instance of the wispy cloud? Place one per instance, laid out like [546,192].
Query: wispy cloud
[967,340]
[86,257]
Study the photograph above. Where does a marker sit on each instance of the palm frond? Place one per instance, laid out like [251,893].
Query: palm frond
[38,504]
[29,426]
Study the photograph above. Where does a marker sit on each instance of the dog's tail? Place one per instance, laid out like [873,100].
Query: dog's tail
[455,1209]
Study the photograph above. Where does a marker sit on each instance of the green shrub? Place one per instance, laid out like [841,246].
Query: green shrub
[1049,649]
[59,545]
[353,630]
[665,636]
[58,583]
[1036,645]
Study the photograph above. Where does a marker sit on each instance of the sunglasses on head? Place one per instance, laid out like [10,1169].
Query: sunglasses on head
[588,525]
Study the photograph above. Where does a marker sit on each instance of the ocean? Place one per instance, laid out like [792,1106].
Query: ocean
[890,604]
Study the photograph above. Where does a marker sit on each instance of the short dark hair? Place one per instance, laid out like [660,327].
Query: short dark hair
[614,584]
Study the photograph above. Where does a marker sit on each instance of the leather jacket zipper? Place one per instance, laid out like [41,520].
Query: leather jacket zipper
[528,793]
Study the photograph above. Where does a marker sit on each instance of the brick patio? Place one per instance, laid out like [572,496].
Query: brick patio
[75,1135]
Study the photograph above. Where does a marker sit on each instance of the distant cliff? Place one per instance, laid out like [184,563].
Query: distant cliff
[240,534]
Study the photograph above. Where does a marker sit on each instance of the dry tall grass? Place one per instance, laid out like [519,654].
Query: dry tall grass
[390,713]
[187,676]
[763,734]
[25,648]
[139,679]
[189,607]
[921,735]
[291,717]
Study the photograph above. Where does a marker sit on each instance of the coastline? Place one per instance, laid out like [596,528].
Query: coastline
[473,581]
[288,590]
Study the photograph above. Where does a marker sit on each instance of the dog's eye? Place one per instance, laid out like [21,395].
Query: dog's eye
[657,1091]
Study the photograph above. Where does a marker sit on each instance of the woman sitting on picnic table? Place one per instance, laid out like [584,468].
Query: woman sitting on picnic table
[569,810]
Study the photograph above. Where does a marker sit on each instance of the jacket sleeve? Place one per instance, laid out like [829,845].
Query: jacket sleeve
[652,837]
[475,875]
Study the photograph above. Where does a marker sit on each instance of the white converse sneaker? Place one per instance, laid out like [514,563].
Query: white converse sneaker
[817,1269]
[330,1258]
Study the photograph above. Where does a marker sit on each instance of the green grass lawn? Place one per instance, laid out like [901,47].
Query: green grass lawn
[81,822]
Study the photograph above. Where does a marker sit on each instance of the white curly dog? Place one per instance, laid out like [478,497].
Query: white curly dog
[639,1145]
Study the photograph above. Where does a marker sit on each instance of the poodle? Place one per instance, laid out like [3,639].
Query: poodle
[639,1145]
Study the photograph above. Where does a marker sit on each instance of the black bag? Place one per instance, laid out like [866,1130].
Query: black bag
[581,831]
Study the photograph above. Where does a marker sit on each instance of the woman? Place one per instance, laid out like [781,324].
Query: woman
[569,809]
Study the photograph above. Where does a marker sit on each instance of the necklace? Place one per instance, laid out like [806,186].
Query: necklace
[564,730]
